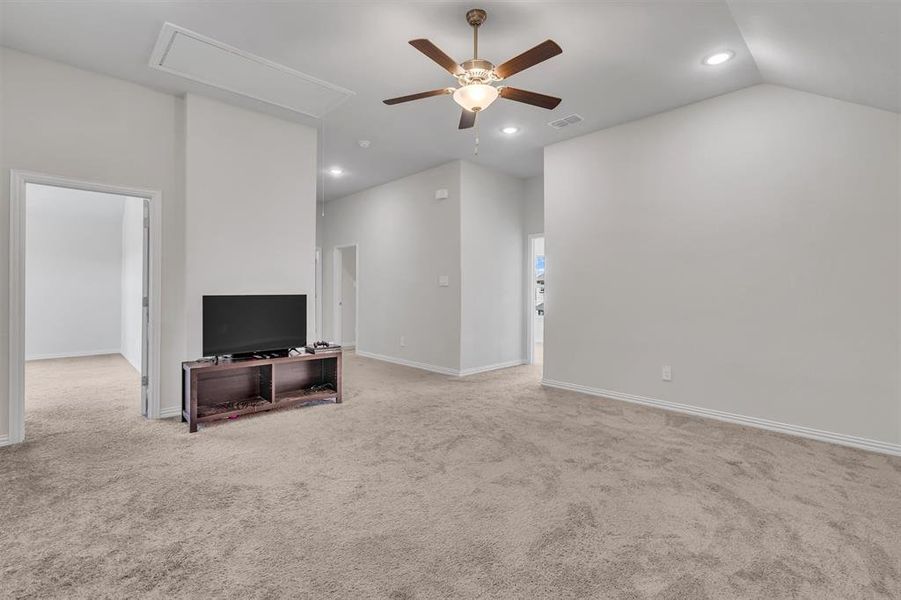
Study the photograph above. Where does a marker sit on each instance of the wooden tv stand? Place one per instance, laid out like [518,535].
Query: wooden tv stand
[231,388]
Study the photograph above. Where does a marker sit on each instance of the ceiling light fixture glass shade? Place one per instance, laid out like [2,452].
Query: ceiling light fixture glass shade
[475,96]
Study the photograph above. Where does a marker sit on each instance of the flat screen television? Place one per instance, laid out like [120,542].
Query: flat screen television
[248,324]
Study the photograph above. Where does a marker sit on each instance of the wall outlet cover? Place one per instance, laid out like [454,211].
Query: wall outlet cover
[666,373]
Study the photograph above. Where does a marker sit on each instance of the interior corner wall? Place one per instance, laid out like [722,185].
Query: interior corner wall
[63,121]
[406,240]
[250,184]
[751,241]
[492,240]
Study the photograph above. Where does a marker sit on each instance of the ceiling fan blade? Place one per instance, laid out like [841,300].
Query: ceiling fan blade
[419,96]
[529,58]
[435,53]
[467,119]
[533,98]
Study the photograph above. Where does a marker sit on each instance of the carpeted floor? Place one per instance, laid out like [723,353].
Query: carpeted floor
[422,486]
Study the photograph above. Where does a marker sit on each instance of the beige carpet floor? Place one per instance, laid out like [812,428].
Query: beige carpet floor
[422,486]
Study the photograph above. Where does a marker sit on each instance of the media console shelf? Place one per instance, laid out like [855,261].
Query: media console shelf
[231,388]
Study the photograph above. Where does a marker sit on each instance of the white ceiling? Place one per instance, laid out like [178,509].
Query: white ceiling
[620,61]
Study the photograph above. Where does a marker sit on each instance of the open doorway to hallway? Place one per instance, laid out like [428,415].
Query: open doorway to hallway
[85,301]
[345,267]
[536,299]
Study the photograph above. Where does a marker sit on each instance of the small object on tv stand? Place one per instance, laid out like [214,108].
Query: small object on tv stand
[323,348]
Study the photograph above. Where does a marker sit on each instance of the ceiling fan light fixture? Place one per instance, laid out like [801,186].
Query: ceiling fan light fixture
[475,96]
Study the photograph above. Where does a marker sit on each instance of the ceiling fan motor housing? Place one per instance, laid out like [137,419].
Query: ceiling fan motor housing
[477,70]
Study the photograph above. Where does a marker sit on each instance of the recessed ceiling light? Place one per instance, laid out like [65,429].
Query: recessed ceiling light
[336,171]
[510,130]
[718,58]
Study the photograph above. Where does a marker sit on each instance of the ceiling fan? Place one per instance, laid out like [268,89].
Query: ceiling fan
[477,75]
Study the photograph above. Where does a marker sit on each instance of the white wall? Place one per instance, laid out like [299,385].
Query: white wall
[492,250]
[407,239]
[73,265]
[751,241]
[132,284]
[250,220]
[64,121]
[533,205]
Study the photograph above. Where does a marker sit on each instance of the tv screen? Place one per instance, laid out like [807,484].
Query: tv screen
[243,324]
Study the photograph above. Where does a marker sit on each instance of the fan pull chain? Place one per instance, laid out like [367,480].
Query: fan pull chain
[475,151]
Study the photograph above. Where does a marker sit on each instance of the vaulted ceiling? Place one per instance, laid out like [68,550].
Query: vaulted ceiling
[621,61]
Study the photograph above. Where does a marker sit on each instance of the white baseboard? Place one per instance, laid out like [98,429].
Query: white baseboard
[797,430]
[409,363]
[495,367]
[72,354]
[4,440]
[172,411]
[436,368]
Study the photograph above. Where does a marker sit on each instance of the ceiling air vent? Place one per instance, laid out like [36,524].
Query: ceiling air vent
[188,54]
[566,121]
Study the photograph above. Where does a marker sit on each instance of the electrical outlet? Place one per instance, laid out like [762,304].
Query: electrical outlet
[403,341]
[666,373]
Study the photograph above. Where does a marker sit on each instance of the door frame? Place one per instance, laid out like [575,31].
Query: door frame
[18,179]
[337,321]
[530,298]
[317,317]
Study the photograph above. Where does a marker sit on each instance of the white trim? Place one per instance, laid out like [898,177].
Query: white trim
[4,441]
[797,430]
[495,367]
[17,181]
[436,368]
[409,363]
[168,413]
[74,355]
[164,45]
[338,292]
[317,299]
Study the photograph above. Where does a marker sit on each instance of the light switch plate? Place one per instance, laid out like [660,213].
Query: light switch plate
[443,281]
[441,194]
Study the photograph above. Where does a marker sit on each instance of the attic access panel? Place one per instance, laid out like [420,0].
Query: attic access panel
[188,54]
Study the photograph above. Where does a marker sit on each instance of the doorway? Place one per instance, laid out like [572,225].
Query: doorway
[536,299]
[84,294]
[317,336]
[345,276]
